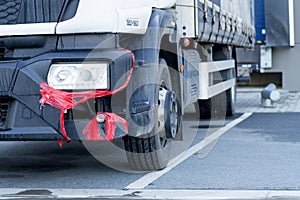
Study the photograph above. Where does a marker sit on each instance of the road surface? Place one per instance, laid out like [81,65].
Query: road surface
[253,155]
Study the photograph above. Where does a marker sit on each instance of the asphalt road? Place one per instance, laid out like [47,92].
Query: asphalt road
[260,152]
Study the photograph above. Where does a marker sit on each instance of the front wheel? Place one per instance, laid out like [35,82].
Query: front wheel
[151,152]
[146,154]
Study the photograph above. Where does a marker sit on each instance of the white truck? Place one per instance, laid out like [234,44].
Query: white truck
[104,70]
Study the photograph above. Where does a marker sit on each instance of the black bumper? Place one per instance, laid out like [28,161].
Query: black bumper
[22,118]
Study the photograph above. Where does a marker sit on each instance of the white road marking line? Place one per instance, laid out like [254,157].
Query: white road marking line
[13,193]
[152,176]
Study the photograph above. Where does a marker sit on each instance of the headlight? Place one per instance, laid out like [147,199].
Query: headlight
[83,76]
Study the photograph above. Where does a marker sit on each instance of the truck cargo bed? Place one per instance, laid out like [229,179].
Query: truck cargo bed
[211,23]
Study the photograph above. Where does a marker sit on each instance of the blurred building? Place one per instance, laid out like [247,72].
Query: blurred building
[276,57]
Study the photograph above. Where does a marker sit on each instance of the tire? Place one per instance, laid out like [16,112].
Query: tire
[150,152]
[205,108]
[146,154]
[214,107]
[230,101]
[219,105]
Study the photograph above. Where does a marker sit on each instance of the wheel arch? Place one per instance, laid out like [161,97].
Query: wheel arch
[147,51]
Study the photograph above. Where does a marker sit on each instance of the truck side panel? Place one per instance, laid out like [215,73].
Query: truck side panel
[230,24]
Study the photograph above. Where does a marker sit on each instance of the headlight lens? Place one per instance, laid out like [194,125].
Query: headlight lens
[83,76]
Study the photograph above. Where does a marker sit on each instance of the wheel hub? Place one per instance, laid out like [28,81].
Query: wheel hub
[168,113]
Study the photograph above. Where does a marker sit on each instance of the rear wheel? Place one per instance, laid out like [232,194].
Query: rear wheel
[231,100]
[220,105]
[151,152]
[205,108]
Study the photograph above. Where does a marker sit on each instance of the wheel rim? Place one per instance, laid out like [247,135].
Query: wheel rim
[161,116]
[167,114]
[173,116]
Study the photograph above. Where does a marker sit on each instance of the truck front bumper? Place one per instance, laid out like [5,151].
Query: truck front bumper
[22,117]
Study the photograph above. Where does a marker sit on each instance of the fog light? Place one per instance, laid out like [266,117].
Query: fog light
[100,118]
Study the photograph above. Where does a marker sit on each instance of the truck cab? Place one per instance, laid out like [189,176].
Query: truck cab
[98,70]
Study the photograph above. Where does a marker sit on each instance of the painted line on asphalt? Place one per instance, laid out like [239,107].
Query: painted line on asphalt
[153,176]
[13,193]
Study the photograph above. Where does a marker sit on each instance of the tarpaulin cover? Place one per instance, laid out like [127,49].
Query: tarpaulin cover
[277,23]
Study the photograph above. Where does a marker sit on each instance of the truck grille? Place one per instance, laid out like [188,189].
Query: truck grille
[4,107]
[2,51]
[30,11]
[9,10]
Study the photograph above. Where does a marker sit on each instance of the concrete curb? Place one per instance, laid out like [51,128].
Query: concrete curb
[12,193]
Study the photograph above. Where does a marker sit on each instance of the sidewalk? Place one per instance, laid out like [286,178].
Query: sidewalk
[249,100]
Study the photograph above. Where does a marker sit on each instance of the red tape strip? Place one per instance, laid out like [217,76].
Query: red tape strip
[66,100]
[92,132]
